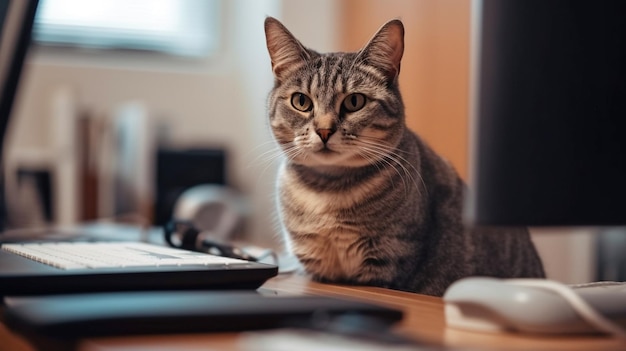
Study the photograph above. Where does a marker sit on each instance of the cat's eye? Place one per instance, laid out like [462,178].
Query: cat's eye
[354,102]
[301,102]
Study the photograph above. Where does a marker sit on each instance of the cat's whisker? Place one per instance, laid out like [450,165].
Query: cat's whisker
[408,173]
[273,152]
[261,145]
[295,152]
[262,157]
[406,177]
[380,156]
[269,162]
[371,159]
[376,160]
[379,141]
[397,159]
[269,157]
[289,153]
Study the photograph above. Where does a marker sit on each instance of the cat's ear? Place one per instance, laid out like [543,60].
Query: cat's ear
[384,51]
[286,52]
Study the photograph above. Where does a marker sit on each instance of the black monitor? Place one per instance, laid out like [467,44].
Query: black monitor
[549,113]
[16,21]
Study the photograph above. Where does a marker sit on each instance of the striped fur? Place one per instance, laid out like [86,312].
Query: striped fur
[363,200]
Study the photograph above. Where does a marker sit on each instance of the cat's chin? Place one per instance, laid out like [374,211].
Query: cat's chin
[332,160]
[330,170]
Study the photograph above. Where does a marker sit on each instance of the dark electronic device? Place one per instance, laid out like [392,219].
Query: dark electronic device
[180,170]
[16,22]
[549,114]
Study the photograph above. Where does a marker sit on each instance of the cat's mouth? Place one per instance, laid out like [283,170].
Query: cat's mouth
[326,151]
[325,155]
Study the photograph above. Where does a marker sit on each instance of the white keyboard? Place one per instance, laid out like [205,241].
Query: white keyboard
[81,255]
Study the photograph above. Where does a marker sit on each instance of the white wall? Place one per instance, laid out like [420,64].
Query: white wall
[568,254]
[218,101]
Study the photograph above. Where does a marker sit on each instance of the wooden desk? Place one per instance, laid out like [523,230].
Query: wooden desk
[424,320]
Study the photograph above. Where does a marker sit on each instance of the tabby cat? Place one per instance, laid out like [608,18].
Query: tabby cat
[363,200]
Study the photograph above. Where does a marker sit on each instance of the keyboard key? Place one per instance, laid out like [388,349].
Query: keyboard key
[81,255]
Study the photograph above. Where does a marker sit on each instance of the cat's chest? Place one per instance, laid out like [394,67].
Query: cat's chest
[322,212]
[310,212]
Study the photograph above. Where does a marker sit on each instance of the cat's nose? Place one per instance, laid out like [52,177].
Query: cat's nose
[325,134]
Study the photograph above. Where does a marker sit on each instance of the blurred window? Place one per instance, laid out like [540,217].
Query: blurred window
[179,27]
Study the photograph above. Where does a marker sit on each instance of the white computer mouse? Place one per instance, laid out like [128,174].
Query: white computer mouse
[535,306]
